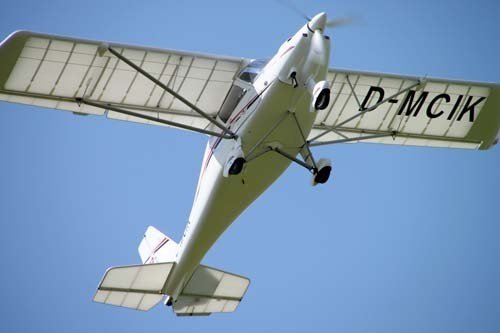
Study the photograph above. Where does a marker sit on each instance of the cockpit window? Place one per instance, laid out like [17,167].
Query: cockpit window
[236,93]
[248,76]
[232,99]
[253,69]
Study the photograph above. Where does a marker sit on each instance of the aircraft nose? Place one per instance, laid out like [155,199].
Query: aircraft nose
[318,22]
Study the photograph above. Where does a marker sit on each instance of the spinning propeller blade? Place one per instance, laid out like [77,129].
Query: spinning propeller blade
[290,5]
[335,23]
[341,22]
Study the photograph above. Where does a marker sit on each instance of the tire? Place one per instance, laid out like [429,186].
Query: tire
[323,100]
[323,175]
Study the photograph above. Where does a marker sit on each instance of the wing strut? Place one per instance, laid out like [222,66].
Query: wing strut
[358,138]
[158,120]
[311,167]
[228,134]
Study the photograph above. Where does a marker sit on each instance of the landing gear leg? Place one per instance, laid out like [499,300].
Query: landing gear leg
[320,169]
[320,172]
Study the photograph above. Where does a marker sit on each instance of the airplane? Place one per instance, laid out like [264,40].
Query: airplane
[260,117]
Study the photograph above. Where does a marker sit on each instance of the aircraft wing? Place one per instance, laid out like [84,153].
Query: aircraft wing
[434,113]
[54,71]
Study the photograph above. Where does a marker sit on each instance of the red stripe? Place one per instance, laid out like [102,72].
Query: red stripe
[157,248]
[288,50]
[231,121]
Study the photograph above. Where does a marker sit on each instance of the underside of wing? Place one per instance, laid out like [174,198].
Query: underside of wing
[59,72]
[403,110]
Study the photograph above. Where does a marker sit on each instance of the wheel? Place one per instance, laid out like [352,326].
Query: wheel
[323,174]
[323,100]
[237,166]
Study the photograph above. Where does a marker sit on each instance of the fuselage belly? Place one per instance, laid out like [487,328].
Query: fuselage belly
[278,114]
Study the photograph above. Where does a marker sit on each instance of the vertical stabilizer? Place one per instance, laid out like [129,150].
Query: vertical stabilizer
[156,247]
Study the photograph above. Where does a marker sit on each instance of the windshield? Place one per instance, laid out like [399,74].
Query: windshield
[253,69]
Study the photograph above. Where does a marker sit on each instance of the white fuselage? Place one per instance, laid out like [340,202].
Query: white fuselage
[263,118]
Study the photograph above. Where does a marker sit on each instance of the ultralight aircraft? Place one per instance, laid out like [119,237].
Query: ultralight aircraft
[260,116]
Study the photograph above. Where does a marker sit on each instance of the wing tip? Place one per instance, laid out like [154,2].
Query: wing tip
[14,35]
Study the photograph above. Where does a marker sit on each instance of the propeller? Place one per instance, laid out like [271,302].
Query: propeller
[291,6]
[342,22]
[334,23]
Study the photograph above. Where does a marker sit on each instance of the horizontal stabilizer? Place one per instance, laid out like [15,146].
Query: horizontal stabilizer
[137,287]
[211,290]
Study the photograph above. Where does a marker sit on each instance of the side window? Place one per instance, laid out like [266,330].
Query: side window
[248,76]
[233,97]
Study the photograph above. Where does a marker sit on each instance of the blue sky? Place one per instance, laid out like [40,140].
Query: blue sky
[400,240]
